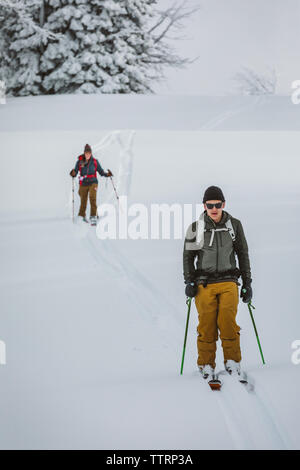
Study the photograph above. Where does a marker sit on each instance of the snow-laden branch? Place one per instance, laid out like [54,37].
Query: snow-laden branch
[172,17]
[19,8]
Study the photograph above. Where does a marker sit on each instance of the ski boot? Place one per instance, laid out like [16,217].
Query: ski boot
[208,373]
[234,368]
[93,220]
[83,219]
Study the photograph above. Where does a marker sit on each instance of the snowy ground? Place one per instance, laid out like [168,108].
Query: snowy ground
[94,329]
[99,112]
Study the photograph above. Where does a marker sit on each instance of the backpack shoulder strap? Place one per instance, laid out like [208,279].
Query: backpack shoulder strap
[200,231]
[231,231]
[80,158]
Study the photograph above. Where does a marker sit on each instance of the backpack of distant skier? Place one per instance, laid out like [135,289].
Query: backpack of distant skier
[82,177]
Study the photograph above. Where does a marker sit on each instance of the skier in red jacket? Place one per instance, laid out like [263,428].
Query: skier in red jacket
[88,166]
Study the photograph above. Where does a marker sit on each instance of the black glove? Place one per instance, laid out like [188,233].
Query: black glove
[73,173]
[246,291]
[191,289]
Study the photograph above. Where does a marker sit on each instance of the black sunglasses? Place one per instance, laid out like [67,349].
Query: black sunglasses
[218,205]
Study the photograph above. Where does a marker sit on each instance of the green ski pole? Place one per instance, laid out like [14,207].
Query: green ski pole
[250,306]
[188,302]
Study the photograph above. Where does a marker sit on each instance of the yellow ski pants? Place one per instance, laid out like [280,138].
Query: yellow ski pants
[217,305]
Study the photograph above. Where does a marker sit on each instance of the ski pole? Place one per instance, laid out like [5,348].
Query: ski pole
[112,182]
[250,306]
[188,302]
[73,217]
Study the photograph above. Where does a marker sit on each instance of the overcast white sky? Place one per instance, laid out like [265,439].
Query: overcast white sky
[228,34]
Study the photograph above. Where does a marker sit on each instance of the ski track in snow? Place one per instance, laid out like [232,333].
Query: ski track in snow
[250,424]
[263,399]
[219,119]
[240,437]
[140,288]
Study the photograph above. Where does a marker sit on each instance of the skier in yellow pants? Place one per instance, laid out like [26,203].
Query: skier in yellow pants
[213,242]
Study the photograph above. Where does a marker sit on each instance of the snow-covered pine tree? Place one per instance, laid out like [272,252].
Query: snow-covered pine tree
[21,42]
[105,47]
[94,46]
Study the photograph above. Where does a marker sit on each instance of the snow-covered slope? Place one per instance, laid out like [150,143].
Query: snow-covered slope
[182,112]
[94,329]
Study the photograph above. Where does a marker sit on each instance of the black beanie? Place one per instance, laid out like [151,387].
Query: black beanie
[213,193]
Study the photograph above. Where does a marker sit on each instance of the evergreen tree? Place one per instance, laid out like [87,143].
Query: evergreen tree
[21,40]
[104,49]
[80,46]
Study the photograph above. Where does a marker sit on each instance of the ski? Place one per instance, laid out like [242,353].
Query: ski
[244,381]
[241,378]
[212,379]
[215,383]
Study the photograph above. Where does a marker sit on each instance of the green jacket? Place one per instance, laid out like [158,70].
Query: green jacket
[216,260]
